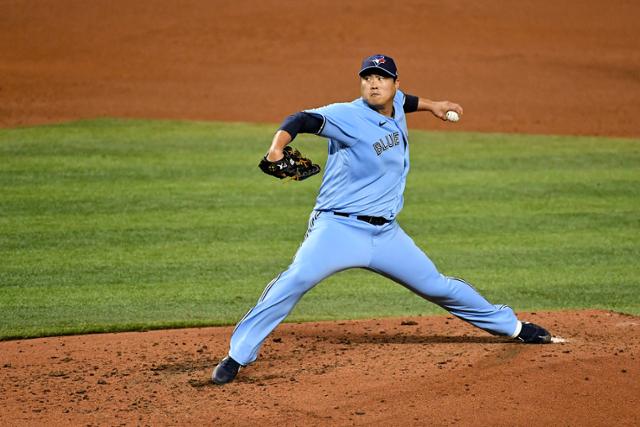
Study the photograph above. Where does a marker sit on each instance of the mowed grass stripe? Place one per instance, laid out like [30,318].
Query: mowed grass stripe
[111,225]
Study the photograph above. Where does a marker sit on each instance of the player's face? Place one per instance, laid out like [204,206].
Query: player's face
[378,91]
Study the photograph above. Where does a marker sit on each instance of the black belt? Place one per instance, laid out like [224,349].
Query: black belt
[374,220]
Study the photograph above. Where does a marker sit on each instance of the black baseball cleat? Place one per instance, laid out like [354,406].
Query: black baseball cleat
[226,371]
[533,334]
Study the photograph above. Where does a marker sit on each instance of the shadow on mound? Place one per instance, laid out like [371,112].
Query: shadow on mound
[340,337]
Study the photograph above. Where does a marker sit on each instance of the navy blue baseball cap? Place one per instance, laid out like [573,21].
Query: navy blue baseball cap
[379,63]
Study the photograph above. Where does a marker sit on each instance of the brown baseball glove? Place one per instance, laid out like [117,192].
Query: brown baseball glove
[293,165]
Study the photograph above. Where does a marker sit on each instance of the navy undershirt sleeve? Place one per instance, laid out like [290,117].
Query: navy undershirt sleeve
[302,122]
[410,103]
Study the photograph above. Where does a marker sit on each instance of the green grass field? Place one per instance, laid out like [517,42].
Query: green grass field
[111,225]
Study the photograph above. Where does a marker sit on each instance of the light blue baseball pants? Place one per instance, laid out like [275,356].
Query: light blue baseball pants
[334,243]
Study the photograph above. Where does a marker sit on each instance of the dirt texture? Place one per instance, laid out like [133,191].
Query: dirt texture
[570,67]
[433,370]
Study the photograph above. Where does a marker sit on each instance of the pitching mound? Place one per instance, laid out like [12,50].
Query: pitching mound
[414,371]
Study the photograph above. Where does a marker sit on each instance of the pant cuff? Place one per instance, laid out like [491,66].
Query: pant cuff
[518,329]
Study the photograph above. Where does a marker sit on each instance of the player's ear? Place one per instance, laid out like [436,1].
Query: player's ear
[397,83]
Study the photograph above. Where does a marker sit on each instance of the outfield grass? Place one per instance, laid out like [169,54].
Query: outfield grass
[113,225]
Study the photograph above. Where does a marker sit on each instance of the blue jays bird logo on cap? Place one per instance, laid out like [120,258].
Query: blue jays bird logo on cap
[379,59]
[377,64]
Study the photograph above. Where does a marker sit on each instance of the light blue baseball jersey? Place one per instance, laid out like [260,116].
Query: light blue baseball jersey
[368,160]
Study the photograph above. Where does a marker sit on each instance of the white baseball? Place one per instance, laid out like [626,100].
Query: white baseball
[452,116]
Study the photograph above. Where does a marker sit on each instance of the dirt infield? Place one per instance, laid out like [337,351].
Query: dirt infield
[570,67]
[419,371]
[536,67]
